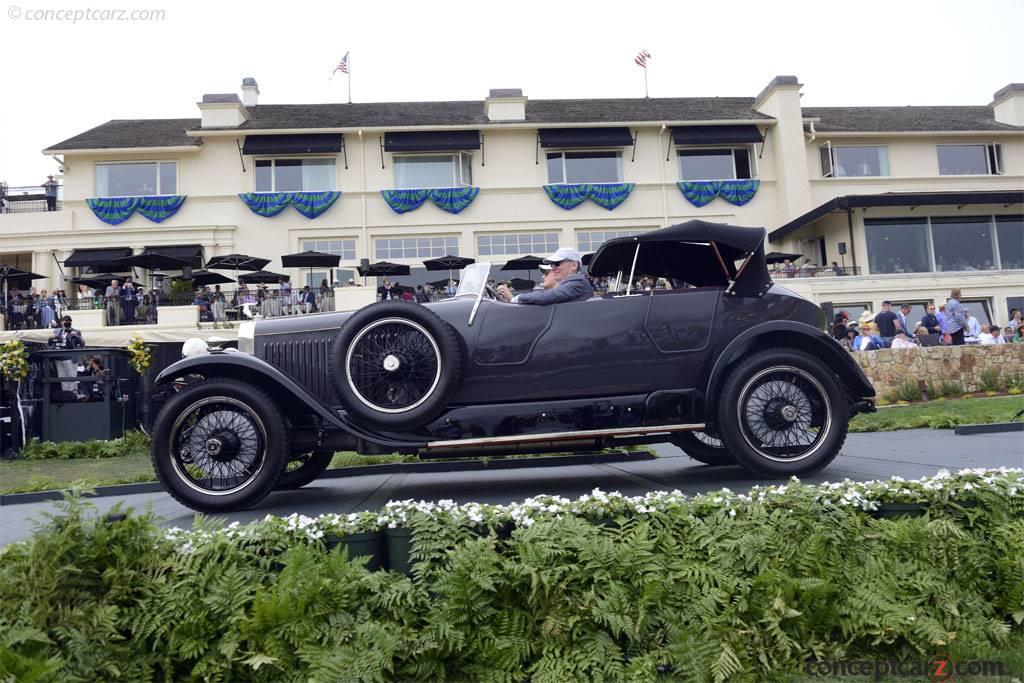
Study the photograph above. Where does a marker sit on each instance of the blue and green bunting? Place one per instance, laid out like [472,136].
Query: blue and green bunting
[116,210]
[159,209]
[701,192]
[309,204]
[453,199]
[607,195]
[450,199]
[403,201]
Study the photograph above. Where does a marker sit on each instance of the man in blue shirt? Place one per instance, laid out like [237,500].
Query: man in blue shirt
[562,282]
[956,318]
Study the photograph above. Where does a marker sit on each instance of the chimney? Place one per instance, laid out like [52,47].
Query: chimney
[1008,104]
[780,99]
[222,111]
[250,92]
[505,105]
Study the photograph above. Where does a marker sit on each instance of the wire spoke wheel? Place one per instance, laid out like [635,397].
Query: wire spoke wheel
[393,365]
[708,440]
[218,445]
[784,413]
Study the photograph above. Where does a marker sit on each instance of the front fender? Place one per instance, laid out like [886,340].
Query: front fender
[793,334]
[289,395]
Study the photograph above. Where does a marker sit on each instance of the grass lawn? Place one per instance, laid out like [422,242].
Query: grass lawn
[18,476]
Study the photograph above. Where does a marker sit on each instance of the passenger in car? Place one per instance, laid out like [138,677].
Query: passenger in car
[562,282]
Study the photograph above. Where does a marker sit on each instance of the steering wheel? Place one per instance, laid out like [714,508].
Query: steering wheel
[492,293]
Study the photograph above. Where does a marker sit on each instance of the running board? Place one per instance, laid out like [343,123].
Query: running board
[564,436]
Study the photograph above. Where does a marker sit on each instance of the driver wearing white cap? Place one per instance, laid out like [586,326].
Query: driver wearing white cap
[562,282]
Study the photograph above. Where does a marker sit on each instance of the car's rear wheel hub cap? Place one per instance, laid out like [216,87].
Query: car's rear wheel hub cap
[392,362]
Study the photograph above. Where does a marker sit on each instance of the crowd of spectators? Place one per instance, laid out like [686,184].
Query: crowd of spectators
[33,310]
[216,305]
[949,324]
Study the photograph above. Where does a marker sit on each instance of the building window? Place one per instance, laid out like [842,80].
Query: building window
[415,247]
[294,175]
[345,248]
[1010,234]
[584,167]
[963,243]
[136,179]
[590,240]
[855,161]
[517,244]
[970,159]
[422,171]
[897,245]
[715,164]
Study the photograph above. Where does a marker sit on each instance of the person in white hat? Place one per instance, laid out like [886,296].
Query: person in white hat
[562,281]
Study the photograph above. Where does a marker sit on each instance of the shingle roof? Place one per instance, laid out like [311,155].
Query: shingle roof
[905,119]
[133,133]
[471,113]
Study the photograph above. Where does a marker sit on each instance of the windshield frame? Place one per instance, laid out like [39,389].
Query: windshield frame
[474,283]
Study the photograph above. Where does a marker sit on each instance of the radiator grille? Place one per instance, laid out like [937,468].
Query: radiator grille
[306,362]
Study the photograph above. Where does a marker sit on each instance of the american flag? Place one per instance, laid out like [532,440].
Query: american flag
[342,65]
[642,57]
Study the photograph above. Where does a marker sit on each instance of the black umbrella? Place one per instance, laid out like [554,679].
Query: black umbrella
[8,273]
[311,260]
[527,263]
[779,257]
[587,258]
[262,277]
[94,281]
[520,284]
[440,284]
[237,262]
[449,263]
[153,260]
[384,268]
[203,278]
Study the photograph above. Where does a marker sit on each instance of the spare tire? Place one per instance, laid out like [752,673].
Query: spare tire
[395,365]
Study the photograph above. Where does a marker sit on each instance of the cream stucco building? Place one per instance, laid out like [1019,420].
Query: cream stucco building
[910,201]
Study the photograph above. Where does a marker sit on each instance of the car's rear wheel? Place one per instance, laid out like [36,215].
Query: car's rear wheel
[396,365]
[219,445]
[703,447]
[782,412]
[303,469]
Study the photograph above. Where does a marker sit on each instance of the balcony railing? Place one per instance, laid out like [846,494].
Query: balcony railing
[838,271]
[29,199]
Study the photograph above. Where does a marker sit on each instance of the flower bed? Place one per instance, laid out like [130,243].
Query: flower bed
[716,586]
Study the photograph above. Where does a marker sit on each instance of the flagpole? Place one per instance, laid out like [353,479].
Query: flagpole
[646,94]
[349,74]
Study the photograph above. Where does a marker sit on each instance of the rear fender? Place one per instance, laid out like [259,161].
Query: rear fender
[290,397]
[787,333]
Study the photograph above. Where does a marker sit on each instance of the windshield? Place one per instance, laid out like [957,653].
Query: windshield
[474,279]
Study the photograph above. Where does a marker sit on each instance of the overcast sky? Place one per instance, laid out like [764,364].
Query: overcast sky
[61,78]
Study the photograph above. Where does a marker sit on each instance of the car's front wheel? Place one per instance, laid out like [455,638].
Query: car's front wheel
[782,412]
[703,447]
[219,445]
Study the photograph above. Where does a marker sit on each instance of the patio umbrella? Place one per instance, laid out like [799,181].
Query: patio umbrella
[154,260]
[449,263]
[780,256]
[95,281]
[527,263]
[237,262]
[587,258]
[311,260]
[203,278]
[520,284]
[262,277]
[384,268]
[440,284]
[8,273]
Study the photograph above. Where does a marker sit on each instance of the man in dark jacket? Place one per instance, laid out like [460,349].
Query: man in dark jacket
[562,282]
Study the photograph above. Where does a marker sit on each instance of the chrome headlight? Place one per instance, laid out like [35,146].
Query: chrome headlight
[194,347]
[247,337]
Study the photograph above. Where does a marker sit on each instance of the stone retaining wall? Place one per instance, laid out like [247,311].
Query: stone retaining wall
[888,368]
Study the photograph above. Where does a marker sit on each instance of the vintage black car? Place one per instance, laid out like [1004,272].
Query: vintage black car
[725,364]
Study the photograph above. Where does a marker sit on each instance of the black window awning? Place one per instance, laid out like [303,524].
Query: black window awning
[100,259]
[716,135]
[585,137]
[311,143]
[185,252]
[432,141]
